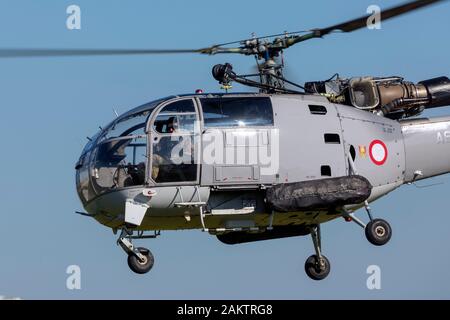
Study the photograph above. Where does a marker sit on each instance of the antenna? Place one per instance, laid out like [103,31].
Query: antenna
[115,112]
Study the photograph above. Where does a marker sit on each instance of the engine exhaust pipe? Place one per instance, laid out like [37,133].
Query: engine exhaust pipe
[430,93]
[438,90]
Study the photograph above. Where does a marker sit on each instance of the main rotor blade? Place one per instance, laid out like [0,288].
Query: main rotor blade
[28,52]
[315,33]
[361,22]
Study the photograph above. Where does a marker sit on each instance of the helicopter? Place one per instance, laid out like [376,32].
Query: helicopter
[234,164]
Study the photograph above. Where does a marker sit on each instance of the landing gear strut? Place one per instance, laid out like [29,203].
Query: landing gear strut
[140,260]
[317,266]
[378,231]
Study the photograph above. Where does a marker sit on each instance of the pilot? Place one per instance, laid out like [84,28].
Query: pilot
[173,160]
[157,161]
[171,155]
[172,125]
[136,174]
[161,159]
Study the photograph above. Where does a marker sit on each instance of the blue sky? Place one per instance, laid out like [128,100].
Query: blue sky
[49,106]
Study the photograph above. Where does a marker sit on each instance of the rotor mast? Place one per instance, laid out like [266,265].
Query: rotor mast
[270,70]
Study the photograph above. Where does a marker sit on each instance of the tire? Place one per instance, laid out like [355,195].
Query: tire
[141,267]
[378,232]
[314,271]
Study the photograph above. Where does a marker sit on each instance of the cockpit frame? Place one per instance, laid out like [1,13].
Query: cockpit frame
[88,190]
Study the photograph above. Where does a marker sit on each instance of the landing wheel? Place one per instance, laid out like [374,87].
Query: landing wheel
[138,266]
[378,232]
[315,269]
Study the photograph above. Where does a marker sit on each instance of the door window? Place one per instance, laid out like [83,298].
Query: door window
[173,143]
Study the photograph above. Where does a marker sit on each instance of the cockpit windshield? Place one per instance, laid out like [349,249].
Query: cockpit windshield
[91,143]
[119,125]
[121,153]
[116,157]
[128,126]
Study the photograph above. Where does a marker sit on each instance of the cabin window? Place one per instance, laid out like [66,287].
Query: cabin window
[317,109]
[237,112]
[332,138]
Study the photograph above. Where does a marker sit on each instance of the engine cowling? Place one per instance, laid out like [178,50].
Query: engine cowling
[386,96]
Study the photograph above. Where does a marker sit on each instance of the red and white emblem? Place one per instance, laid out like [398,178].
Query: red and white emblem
[378,152]
[149,192]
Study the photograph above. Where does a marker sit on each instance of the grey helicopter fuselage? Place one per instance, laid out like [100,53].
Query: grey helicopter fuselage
[292,138]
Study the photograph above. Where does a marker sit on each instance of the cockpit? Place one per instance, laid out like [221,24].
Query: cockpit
[115,157]
[157,143]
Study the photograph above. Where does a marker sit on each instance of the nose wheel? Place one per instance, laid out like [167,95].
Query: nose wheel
[317,266]
[143,265]
[140,260]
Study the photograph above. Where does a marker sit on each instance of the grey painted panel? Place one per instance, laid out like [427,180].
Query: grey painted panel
[256,172]
[302,150]
[377,192]
[427,145]
[235,155]
[161,204]
[367,133]
[234,174]
[236,200]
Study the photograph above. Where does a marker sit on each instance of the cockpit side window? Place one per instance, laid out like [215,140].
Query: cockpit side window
[173,149]
[237,112]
